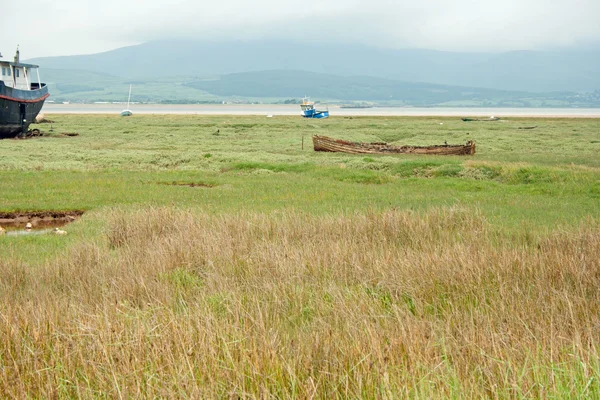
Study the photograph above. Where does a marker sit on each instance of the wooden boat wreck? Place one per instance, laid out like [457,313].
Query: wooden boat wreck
[324,143]
[492,118]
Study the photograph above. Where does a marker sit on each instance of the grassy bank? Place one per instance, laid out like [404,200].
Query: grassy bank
[218,257]
[389,304]
[547,176]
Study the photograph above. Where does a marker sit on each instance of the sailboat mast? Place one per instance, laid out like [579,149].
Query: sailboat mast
[129,98]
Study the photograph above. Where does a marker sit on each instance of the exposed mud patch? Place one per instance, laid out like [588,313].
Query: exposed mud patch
[35,133]
[189,184]
[38,219]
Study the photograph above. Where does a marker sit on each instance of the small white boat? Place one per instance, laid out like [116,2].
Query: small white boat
[127,112]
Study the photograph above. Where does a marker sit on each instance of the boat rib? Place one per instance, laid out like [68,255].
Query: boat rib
[324,143]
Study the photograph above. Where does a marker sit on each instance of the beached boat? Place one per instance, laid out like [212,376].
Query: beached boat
[492,118]
[21,99]
[324,143]
[309,110]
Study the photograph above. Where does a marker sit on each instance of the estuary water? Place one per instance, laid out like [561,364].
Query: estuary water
[291,109]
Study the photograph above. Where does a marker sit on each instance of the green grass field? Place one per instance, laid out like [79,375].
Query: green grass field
[222,256]
[544,176]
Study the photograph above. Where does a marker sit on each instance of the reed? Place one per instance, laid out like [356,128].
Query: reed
[182,303]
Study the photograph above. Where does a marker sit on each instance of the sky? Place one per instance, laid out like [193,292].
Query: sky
[69,27]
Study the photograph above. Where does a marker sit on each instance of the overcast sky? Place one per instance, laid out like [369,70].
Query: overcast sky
[66,27]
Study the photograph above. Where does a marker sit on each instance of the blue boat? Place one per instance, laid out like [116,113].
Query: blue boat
[309,110]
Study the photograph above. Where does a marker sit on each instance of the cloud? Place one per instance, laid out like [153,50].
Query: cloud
[75,27]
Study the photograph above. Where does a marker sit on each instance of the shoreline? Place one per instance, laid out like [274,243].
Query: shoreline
[293,110]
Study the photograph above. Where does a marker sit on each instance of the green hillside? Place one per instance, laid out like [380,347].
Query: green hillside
[88,86]
[296,83]
[281,85]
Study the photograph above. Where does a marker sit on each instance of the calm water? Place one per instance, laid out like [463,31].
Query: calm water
[274,110]
[23,232]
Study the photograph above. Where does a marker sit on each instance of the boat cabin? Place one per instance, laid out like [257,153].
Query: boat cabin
[307,105]
[18,75]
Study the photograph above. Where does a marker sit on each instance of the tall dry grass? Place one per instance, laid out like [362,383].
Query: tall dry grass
[172,303]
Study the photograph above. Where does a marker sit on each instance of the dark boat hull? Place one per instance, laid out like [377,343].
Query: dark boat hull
[18,109]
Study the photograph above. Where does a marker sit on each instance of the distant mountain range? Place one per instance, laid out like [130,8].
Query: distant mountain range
[208,71]
[280,83]
[544,71]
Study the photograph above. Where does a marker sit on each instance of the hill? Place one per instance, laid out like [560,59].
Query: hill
[87,86]
[282,83]
[566,70]
[289,86]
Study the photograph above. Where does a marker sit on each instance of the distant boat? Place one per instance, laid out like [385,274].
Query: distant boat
[324,143]
[492,118]
[127,112]
[356,106]
[309,111]
[21,99]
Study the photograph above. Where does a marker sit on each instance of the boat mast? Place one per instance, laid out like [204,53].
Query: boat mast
[14,69]
[129,98]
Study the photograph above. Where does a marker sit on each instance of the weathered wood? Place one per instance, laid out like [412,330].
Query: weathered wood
[324,143]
